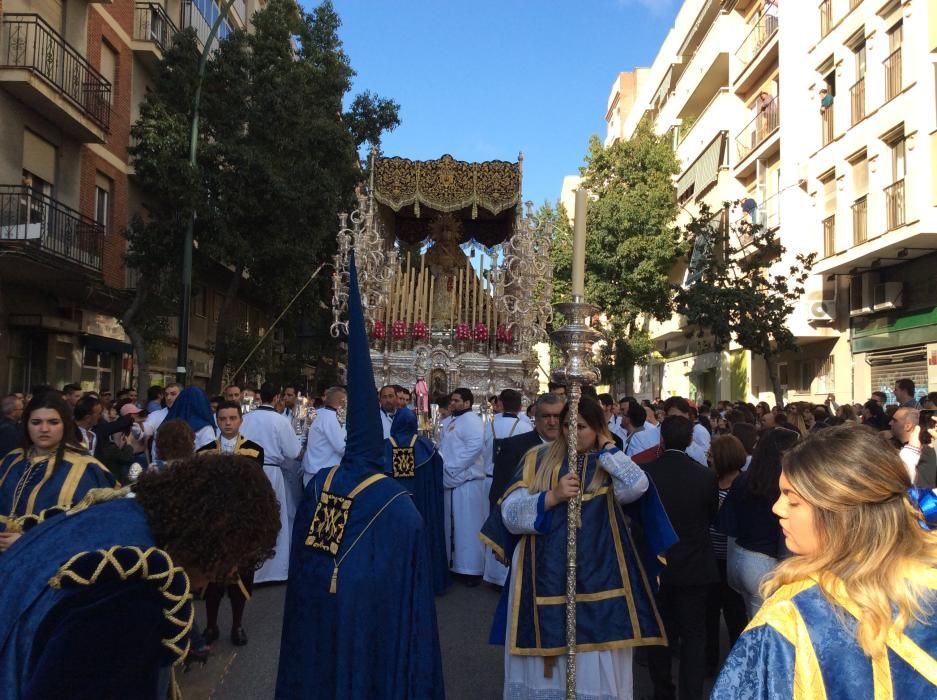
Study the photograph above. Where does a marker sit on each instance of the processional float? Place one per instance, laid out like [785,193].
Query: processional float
[455,277]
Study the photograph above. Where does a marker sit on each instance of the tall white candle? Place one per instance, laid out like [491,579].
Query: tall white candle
[579,243]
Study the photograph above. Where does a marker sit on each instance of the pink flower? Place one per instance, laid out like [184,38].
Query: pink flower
[379,331]
[504,333]
[462,331]
[399,329]
[419,330]
[481,332]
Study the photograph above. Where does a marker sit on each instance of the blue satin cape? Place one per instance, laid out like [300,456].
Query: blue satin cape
[64,484]
[102,640]
[425,488]
[619,610]
[803,645]
[375,636]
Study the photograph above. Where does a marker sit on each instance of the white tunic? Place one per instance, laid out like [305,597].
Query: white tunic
[600,675]
[699,448]
[465,496]
[325,445]
[281,446]
[501,426]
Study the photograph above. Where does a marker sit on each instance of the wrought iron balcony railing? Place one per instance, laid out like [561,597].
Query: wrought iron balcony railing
[763,29]
[893,80]
[829,235]
[826,125]
[894,205]
[151,23]
[33,218]
[860,220]
[29,42]
[765,122]
[857,101]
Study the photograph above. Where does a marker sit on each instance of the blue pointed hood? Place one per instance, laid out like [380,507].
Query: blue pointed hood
[365,436]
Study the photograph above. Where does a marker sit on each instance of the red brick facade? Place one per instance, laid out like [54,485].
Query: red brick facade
[118,139]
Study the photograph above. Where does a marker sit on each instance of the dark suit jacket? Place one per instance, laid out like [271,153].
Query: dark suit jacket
[512,452]
[690,494]
[11,436]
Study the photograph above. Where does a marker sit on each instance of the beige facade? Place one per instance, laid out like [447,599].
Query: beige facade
[851,178]
[621,99]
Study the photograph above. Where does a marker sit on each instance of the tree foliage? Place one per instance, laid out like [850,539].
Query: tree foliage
[277,157]
[742,290]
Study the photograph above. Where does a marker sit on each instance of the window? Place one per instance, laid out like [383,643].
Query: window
[109,67]
[39,163]
[829,214]
[857,91]
[825,376]
[892,64]
[200,303]
[860,188]
[102,200]
[894,193]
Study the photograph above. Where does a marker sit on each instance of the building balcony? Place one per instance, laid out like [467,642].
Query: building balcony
[826,125]
[826,17]
[860,221]
[758,49]
[42,70]
[192,18]
[44,229]
[758,131]
[857,101]
[153,32]
[894,206]
[674,327]
[893,78]
[829,236]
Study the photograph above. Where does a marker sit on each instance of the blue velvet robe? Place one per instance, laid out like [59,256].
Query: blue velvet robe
[425,488]
[97,640]
[620,611]
[376,635]
[802,645]
[29,486]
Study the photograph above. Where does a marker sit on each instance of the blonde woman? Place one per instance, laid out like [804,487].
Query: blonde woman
[852,614]
[616,610]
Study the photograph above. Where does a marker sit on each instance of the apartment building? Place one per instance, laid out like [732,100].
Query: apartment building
[871,154]
[73,74]
[845,170]
[621,99]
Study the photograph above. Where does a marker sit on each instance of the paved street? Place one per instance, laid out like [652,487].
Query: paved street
[473,669]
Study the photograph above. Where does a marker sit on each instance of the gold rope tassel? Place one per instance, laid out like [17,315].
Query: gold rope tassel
[333,586]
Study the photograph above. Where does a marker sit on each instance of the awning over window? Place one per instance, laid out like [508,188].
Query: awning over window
[704,171]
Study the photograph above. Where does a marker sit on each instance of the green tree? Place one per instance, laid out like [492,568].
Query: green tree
[277,155]
[740,289]
[632,243]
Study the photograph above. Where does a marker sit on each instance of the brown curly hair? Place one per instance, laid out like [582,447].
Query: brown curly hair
[212,512]
[174,440]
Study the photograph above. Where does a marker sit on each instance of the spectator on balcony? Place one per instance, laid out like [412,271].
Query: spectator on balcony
[826,99]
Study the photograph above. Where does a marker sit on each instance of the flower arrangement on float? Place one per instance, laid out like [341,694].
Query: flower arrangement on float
[379,332]
[481,332]
[419,331]
[462,331]
[399,329]
[505,333]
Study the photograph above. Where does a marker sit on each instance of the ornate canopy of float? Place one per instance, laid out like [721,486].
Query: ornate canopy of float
[455,276]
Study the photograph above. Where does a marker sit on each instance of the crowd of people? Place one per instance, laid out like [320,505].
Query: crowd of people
[778,521]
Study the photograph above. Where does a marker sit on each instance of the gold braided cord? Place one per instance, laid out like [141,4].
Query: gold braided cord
[91,497]
[161,571]
[447,184]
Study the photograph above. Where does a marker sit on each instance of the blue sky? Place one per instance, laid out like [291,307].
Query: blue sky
[484,79]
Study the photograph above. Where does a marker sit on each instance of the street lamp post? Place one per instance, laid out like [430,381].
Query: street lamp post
[182,354]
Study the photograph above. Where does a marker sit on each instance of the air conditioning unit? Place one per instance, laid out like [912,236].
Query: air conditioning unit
[887,296]
[821,313]
[862,293]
